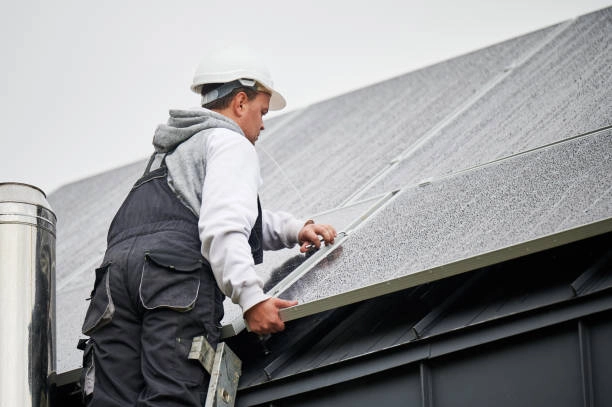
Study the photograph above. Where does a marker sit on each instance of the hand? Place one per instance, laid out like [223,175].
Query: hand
[263,318]
[310,235]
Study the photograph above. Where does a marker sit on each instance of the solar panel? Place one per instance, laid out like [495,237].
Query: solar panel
[324,154]
[562,91]
[508,209]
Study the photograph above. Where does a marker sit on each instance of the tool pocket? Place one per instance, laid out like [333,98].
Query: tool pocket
[170,281]
[101,308]
[88,374]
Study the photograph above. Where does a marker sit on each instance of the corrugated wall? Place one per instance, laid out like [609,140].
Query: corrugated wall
[567,365]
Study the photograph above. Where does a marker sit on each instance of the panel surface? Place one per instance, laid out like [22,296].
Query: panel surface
[564,90]
[473,219]
[321,156]
[280,263]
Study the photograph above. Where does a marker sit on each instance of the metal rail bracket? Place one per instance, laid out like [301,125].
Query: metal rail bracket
[224,368]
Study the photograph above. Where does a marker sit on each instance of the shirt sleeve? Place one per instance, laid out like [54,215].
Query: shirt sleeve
[228,213]
[280,230]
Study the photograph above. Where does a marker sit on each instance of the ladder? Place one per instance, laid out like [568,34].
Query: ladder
[224,368]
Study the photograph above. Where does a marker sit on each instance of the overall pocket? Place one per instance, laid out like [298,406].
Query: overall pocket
[169,281]
[101,308]
[88,373]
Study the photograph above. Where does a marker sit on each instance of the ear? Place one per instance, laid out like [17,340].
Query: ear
[239,104]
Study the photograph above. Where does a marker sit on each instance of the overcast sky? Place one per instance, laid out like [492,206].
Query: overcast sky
[86,83]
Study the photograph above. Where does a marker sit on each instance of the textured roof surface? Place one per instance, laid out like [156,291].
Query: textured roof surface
[513,142]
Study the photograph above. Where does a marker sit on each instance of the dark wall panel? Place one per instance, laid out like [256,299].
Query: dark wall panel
[600,333]
[538,368]
[541,369]
[397,387]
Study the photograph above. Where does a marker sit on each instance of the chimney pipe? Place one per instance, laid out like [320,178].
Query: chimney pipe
[27,296]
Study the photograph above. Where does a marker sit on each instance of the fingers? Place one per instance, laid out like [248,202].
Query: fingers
[309,237]
[313,234]
[326,231]
[263,318]
[280,304]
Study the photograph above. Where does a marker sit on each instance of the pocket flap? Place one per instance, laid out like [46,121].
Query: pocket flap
[173,262]
[170,281]
[101,308]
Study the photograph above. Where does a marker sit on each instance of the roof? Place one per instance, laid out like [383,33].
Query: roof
[431,320]
[455,167]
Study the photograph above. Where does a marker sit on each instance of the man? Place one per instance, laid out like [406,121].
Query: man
[189,232]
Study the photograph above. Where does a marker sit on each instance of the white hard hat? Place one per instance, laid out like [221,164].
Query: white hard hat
[234,65]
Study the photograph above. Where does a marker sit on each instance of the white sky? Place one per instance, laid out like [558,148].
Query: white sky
[86,83]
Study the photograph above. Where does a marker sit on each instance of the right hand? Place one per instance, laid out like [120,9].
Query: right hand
[309,235]
[263,318]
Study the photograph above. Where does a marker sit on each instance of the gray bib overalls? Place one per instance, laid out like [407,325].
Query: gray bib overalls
[153,293]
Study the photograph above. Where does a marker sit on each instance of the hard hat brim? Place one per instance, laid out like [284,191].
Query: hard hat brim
[277,101]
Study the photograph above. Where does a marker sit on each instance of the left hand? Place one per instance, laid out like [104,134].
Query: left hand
[263,318]
[310,233]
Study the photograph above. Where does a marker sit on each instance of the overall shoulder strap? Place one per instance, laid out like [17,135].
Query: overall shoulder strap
[156,161]
[156,168]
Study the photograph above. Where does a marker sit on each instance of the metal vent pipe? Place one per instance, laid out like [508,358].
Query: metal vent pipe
[27,296]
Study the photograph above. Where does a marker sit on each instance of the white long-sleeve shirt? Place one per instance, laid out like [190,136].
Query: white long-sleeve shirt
[228,213]
[214,170]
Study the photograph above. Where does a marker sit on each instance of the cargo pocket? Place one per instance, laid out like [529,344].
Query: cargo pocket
[101,308]
[169,281]
[88,374]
